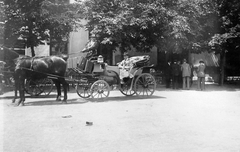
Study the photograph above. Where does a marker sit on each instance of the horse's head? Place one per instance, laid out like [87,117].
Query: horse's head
[7,54]
[63,56]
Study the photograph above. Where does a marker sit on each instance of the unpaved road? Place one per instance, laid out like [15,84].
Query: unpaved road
[170,121]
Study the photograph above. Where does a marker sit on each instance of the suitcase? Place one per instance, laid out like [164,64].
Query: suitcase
[82,63]
[89,67]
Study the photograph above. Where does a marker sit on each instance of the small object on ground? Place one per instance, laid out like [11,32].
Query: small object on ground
[89,123]
[68,116]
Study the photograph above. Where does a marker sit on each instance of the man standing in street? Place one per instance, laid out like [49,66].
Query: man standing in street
[186,73]
[2,63]
[201,75]
[168,74]
[175,74]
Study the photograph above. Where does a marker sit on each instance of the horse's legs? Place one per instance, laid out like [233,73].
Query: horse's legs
[21,92]
[16,88]
[65,89]
[58,86]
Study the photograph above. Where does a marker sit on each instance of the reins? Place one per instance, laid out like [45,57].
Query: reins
[52,76]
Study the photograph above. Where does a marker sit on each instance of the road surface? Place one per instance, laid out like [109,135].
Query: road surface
[169,121]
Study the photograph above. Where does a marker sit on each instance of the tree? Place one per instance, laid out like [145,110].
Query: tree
[35,20]
[126,23]
[226,39]
[172,26]
[2,21]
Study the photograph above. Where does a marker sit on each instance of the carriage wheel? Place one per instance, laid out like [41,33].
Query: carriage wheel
[125,88]
[100,89]
[46,86]
[145,85]
[32,88]
[42,86]
[83,89]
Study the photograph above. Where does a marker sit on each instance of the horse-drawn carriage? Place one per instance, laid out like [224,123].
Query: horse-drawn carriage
[37,75]
[96,79]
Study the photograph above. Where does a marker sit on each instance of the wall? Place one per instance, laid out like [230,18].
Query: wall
[40,50]
[77,41]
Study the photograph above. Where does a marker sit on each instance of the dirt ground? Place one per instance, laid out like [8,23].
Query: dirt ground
[169,121]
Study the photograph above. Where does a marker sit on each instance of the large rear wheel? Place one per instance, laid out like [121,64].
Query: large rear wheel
[126,89]
[100,89]
[145,85]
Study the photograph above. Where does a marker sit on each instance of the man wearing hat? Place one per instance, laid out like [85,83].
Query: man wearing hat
[2,63]
[91,47]
[201,75]
[124,67]
[175,71]
[186,73]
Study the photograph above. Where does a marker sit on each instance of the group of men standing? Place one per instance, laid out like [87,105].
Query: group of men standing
[181,75]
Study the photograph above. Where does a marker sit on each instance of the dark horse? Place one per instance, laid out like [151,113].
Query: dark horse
[35,68]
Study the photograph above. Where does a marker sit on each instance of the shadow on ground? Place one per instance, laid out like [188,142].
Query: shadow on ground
[27,96]
[54,102]
[82,101]
[208,88]
[125,98]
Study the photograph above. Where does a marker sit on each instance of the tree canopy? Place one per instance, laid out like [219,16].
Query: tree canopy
[175,25]
[36,20]
[228,36]
[172,26]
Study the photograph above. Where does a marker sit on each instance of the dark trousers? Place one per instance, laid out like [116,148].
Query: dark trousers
[201,83]
[168,81]
[1,84]
[175,82]
[186,82]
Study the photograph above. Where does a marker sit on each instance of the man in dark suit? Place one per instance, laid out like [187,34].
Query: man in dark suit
[168,74]
[176,69]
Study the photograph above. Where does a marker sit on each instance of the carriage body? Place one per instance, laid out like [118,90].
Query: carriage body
[102,78]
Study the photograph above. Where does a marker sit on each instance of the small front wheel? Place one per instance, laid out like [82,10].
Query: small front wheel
[100,89]
[83,89]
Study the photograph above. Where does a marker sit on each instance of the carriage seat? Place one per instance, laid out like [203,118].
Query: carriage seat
[113,68]
[98,67]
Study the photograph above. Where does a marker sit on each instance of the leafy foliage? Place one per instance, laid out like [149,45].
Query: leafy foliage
[35,20]
[175,25]
[2,19]
[228,36]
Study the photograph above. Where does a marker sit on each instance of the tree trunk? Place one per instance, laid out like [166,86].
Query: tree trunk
[30,39]
[32,51]
[50,44]
[189,57]
[222,68]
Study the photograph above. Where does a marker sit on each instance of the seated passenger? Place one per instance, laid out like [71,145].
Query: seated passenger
[125,67]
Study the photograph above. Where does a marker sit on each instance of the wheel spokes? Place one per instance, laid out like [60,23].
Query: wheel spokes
[83,90]
[145,85]
[100,89]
